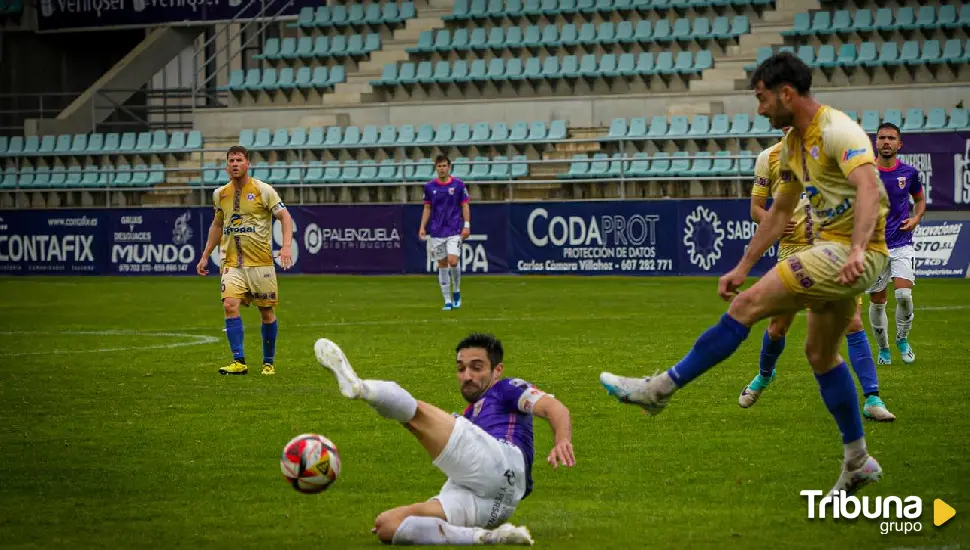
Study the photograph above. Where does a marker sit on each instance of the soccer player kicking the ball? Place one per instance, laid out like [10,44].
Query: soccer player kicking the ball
[829,157]
[487,452]
[245,208]
[902,182]
[445,207]
[798,236]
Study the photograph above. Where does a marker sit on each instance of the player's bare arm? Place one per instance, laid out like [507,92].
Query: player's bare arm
[286,252]
[557,415]
[425,216]
[215,235]
[919,208]
[866,211]
[769,230]
[466,214]
[758,213]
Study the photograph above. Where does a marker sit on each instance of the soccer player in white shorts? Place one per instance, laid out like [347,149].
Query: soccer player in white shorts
[901,182]
[486,452]
[445,222]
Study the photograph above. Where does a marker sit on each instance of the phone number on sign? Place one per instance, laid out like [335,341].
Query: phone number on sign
[647,265]
[152,268]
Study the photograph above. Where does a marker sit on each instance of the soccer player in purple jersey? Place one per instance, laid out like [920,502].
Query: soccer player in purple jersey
[901,182]
[487,452]
[445,207]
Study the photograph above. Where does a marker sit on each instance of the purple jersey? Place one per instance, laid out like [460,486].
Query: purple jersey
[445,200]
[505,413]
[901,182]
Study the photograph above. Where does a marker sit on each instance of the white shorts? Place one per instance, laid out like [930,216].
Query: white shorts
[486,477]
[901,266]
[440,248]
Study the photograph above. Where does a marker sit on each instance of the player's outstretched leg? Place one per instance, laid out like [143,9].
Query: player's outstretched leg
[904,322]
[387,398]
[424,523]
[772,346]
[826,327]
[768,297]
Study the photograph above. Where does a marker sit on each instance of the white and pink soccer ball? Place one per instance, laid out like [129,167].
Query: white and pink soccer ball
[310,463]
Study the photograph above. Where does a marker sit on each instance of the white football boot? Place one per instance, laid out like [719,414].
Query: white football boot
[506,534]
[651,392]
[851,481]
[333,358]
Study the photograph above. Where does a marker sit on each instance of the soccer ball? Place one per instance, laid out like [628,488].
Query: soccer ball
[310,463]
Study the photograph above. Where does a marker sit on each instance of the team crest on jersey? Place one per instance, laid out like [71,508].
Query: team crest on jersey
[451,190]
[814,152]
[902,182]
[518,383]
[478,407]
[251,196]
[761,181]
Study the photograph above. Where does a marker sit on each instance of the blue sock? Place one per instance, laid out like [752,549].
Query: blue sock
[714,346]
[860,354]
[269,341]
[838,393]
[770,352]
[234,333]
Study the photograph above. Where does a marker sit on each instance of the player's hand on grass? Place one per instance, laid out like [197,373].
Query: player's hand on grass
[203,267]
[562,454]
[909,224]
[789,229]
[728,285]
[465,233]
[285,257]
[853,268]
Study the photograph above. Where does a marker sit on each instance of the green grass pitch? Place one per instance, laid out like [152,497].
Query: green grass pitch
[116,430]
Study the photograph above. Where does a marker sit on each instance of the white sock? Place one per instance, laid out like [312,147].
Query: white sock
[390,400]
[856,454]
[444,279]
[427,531]
[879,323]
[456,278]
[904,312]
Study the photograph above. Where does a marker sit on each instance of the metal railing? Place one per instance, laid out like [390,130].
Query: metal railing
[404,179]
[269,14]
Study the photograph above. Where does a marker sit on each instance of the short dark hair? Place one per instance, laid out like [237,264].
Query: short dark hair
[487,342]
[783,68]
[442,158]
[885,125]
[238,149]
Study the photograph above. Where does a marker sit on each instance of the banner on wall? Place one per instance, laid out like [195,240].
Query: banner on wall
[943,161]
[676,237]
[65,242]
[78,14]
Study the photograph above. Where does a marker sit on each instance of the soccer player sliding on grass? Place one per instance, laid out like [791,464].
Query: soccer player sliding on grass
[487,452]
[829,157]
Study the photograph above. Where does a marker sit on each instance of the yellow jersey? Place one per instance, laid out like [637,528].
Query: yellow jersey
[246,214]
[767,181]
[819,164]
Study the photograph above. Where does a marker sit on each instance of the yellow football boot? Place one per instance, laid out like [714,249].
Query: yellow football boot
[234,368]
[268,369]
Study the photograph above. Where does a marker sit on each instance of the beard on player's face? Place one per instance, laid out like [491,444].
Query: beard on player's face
[473,388]
[887,153]
[780,117]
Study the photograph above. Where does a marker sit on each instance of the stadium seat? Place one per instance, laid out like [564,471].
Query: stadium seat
[935,119]
[870,120]
[959,119]
[913,121]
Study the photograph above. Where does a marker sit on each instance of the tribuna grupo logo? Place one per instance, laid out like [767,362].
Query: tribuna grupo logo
[897,514]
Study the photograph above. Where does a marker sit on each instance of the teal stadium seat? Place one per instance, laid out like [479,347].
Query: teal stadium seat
[271,49]
[63,144]
[914,121]
[723,164]
[964,20]
[679,126]
[658,127]
[894,116]
[952,51]
[406,135]
[909,54]
[841,22]
[637,128]
[618,128]
[847,55]
[802,25]
[870,120]
[720,126]
[821,22]
[700,126]
[931,55]
[578,167]
[868,53]
[926,17]
[959,119]
[300,140]
[884,20]
[761,126]
[500,133]
[935,119]
[862,22]
[888,55]
[906,19]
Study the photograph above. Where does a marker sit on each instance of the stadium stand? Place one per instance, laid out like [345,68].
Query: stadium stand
[533,50]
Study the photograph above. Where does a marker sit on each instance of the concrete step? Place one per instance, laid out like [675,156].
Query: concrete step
[761,36]
[586,133]
[565,150]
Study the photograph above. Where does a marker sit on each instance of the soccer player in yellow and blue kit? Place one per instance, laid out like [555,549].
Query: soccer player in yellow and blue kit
[829,157]
[243,229]
[798,236]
